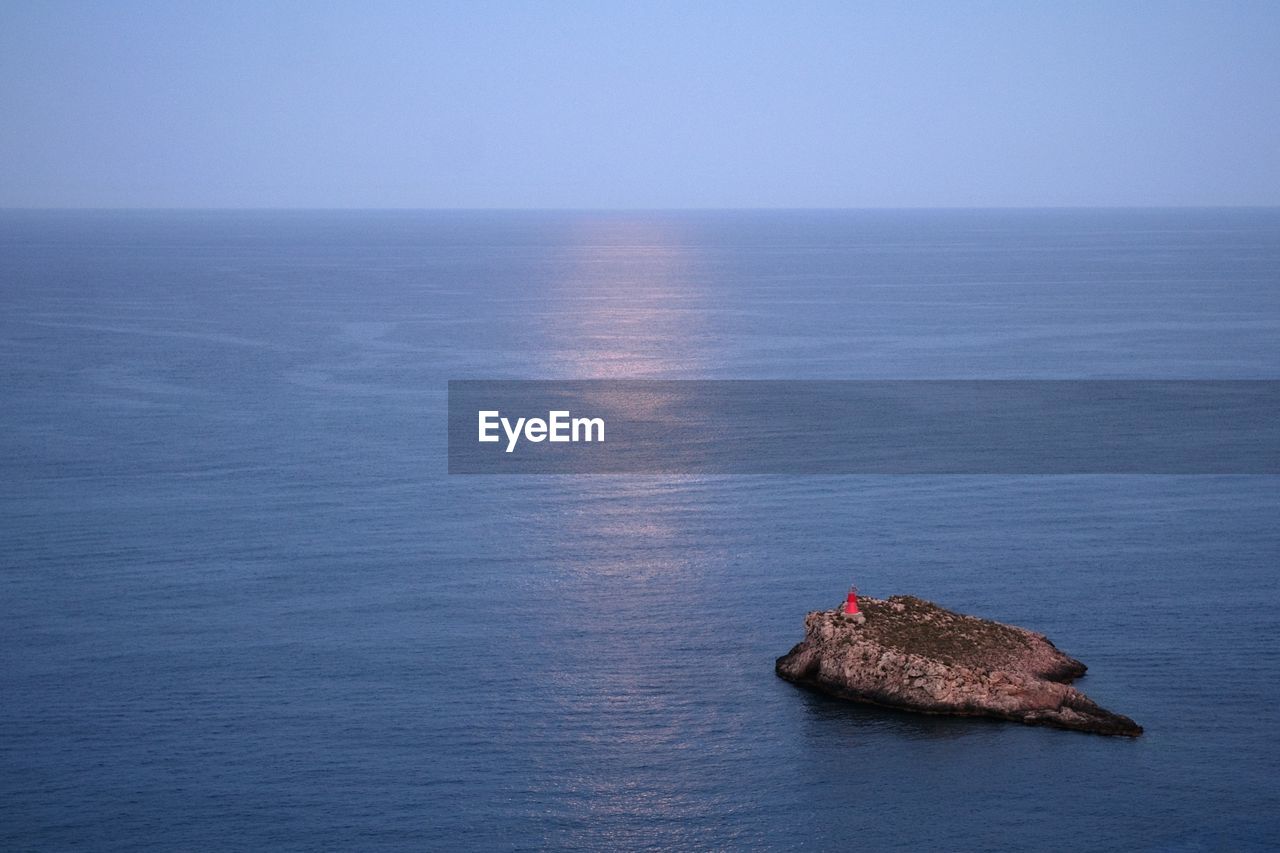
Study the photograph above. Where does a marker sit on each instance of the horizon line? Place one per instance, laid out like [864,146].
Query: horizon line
[748,209]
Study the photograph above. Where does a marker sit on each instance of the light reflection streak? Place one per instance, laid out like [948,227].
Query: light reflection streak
[628,305]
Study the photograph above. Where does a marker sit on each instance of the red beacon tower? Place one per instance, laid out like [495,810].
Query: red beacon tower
[851,603]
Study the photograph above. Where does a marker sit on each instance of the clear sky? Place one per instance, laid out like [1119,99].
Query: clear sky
[648,104]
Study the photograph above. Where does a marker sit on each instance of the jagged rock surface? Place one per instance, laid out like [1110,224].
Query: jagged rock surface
[914,655]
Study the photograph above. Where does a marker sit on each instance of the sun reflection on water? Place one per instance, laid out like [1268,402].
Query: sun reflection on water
[628,304]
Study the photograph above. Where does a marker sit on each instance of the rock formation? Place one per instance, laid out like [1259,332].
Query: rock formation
[917,656]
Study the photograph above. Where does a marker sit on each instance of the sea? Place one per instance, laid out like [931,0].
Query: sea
[243,605]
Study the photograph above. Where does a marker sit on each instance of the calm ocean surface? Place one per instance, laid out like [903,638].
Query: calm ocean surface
[243,606]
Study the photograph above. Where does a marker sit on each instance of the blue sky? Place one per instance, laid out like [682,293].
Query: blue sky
[638,105]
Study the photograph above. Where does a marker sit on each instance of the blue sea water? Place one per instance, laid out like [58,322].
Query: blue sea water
[242,605]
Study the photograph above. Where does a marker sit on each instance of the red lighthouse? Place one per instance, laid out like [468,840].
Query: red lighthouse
[851,603]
